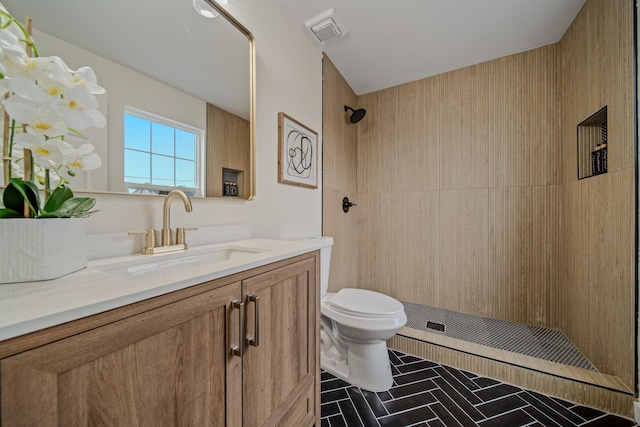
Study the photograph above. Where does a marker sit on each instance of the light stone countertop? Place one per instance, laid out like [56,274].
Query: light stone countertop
[31,306]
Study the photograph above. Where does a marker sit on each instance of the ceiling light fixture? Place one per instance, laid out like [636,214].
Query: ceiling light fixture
[205,9]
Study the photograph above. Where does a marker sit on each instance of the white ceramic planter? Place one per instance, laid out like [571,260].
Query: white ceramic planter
[41,249]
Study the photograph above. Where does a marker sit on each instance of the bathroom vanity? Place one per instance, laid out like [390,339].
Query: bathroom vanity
[237,347]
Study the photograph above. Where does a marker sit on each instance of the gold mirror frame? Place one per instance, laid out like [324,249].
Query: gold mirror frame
[250,180]
[252,94]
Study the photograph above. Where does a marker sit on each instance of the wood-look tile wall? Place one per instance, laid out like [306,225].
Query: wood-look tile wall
[458,189]
[227,136]
[339,176]
[467,189]
[596,296]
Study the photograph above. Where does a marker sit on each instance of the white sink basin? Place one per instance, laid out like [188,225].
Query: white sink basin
[151,265]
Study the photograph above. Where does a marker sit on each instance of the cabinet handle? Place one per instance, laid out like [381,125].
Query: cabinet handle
[255,340]
[238,350]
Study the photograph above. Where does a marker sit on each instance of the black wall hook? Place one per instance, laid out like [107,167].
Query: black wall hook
[346,204]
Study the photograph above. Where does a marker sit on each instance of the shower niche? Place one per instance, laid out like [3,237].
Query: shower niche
[592,145]
[232,183]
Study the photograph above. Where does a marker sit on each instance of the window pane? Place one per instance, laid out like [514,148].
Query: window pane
[137,133]
[137,167]
[161,153]
[162,167]
[162,139]
[185,173]
[185,144]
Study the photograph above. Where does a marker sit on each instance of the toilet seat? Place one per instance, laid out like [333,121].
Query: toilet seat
[351,310]
[364,303]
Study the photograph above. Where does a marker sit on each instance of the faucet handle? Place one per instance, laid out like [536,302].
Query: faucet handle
[149,241]
[180,235]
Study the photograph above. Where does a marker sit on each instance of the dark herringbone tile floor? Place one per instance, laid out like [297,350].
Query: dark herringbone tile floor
[428,394]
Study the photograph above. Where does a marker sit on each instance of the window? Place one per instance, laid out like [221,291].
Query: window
[161,155]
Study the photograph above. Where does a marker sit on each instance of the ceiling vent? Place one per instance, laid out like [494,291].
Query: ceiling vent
[325,28]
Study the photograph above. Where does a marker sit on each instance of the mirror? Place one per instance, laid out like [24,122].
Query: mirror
[163,58]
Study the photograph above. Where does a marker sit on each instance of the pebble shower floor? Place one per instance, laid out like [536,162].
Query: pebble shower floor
[429,394]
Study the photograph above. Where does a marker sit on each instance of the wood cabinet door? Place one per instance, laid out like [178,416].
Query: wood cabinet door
[169,366]
[279,377]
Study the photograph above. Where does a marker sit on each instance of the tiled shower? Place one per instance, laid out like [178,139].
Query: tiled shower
[467,189]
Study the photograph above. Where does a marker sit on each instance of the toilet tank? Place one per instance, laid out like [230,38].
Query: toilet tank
[325,263]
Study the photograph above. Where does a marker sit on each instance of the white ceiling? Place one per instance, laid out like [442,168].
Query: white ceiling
[387,42]
[394,42]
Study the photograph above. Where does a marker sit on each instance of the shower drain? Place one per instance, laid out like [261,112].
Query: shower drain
[436,326]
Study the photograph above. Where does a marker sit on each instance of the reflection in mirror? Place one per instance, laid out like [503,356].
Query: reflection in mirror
[227,153]
[164,63]
[161,155]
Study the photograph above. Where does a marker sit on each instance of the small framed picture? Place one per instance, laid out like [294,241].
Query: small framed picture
[297,153]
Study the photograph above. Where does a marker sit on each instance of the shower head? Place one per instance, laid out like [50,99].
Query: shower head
[356,115]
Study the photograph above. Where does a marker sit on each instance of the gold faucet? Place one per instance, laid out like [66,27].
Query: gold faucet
[166,217]
[166,245]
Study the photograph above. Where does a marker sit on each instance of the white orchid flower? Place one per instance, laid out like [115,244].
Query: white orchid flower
[82,76]
[9,26]
[86,76]
[48,153]
[86,148]
[55,69]
[38,118]
[29,90]
[48,74]
[84,159]
[12,54]
[11,46]
[78,107]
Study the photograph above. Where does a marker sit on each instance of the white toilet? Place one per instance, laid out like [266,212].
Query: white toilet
[355,326]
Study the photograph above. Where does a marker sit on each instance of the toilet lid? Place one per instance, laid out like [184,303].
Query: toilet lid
[362,301]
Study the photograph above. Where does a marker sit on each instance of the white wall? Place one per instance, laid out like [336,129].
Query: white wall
[289,79]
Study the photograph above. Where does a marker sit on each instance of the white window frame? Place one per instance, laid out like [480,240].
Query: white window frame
[147,188]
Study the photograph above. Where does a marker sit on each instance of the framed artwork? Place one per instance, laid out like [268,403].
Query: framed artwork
[297,153]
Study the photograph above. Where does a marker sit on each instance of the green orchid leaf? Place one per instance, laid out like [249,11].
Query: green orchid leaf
[35,194]
[60,204]
[12,198]
[75,207]
[57,198]
[17,192]
[10,213]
